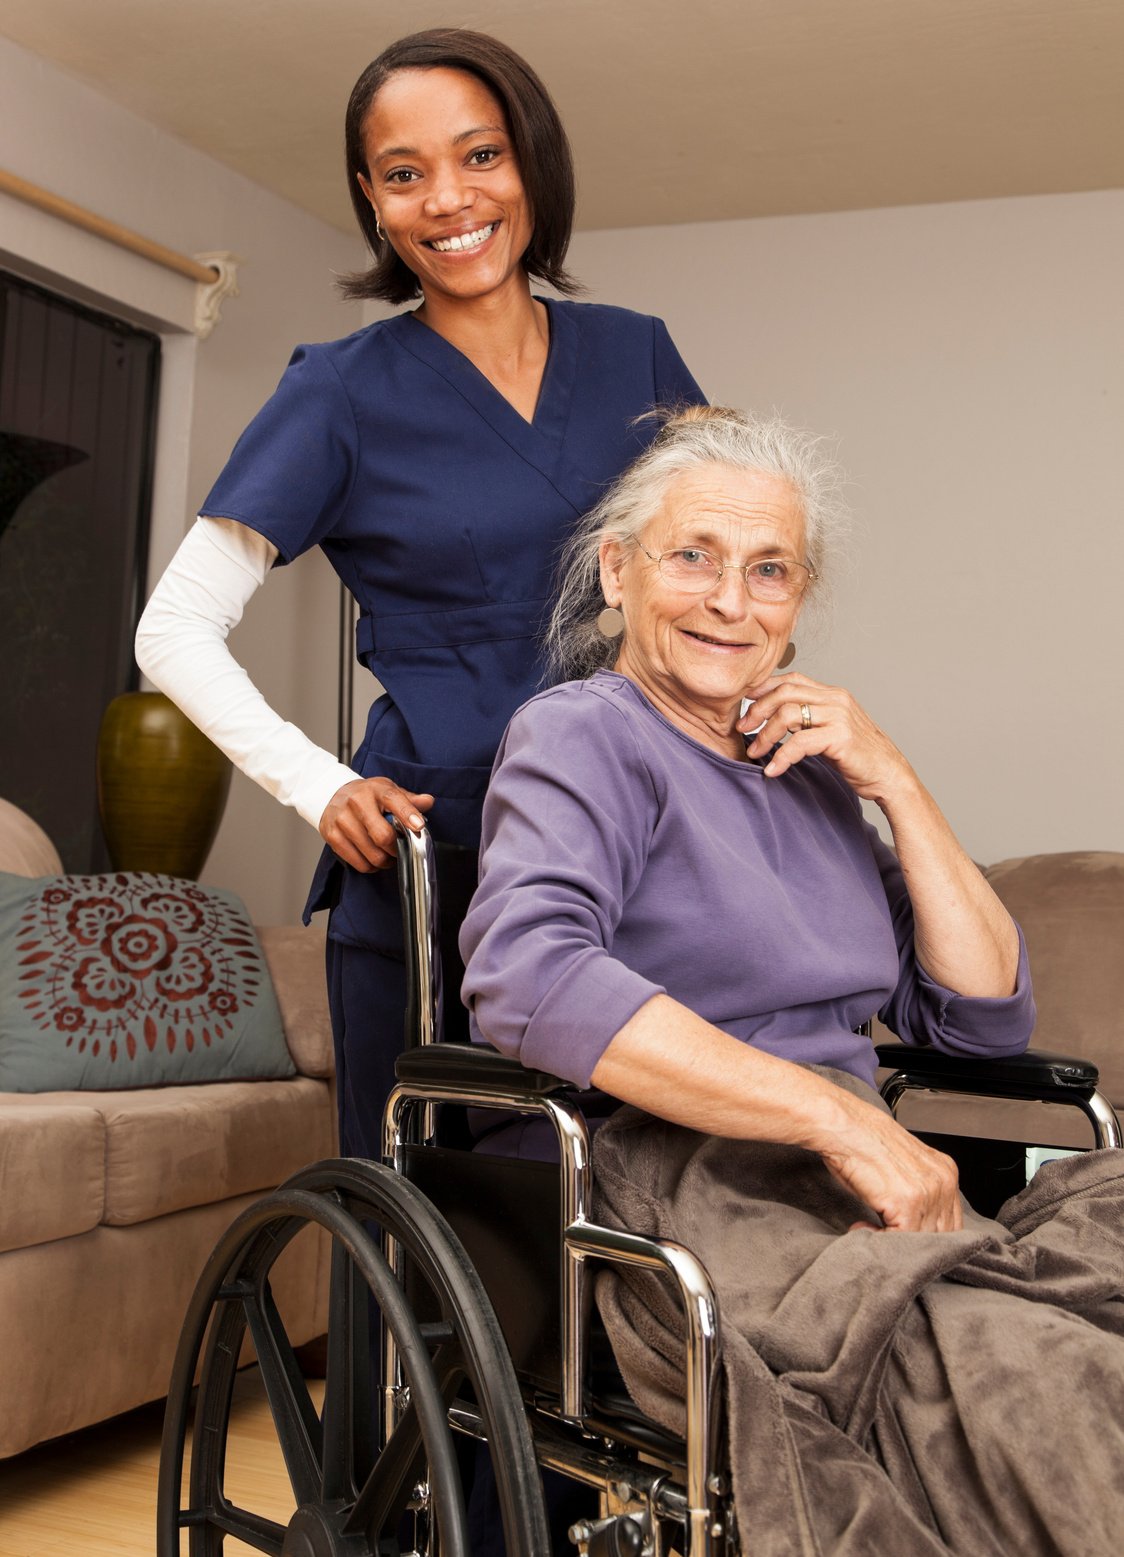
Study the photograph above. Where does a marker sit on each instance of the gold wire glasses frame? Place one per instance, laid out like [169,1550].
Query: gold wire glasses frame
[769,579]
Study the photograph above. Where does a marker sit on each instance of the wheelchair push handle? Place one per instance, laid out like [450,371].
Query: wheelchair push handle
[417,893]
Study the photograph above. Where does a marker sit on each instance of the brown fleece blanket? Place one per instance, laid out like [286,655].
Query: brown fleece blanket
[905,1395]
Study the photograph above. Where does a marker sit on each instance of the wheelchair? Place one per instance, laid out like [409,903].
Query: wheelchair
[481,1269]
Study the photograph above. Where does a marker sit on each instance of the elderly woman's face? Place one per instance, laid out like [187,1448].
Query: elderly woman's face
[696,653]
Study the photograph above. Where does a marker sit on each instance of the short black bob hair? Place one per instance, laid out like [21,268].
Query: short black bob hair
[541,151]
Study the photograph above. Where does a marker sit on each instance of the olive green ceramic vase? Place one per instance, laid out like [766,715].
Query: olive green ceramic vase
[162,786]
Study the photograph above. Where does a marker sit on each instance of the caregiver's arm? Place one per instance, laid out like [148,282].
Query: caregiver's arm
[181,646]
[964,938]
[672,1063]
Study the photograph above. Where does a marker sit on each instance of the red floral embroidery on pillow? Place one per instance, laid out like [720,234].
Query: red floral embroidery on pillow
[182,915]
[99,984]
[188,977]
[88,917]
[114,962]
[139,946]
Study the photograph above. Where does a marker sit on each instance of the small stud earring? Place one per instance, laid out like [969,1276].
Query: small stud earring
[787,657]
[610,623]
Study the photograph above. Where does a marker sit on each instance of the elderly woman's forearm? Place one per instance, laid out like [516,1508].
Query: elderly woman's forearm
[964,937]
[674,1065]
[670,1062]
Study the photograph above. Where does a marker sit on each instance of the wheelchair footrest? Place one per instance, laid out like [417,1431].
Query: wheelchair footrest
[621,1536]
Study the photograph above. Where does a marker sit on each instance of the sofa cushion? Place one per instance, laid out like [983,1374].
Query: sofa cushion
[295,958]
[52,1169]
[170,1148]
[1071,908]
[131,980]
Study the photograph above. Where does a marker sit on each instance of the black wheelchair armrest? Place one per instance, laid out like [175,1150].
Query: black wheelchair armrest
[471,1065]
[1037,1074]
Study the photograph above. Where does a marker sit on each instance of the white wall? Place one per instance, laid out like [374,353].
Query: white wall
[58,133]
[971,359]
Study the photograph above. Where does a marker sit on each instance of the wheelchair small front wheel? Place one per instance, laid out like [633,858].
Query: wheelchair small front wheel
[352,1500]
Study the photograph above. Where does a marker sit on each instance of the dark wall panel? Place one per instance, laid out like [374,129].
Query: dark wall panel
[77,412]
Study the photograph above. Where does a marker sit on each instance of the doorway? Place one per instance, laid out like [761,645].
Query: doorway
[78,398]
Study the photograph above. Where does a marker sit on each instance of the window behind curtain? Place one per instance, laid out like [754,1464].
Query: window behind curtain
[78,396]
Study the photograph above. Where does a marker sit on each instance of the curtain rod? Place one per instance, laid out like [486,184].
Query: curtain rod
[78,216]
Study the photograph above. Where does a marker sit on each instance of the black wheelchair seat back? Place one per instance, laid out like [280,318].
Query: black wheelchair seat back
[507,1214]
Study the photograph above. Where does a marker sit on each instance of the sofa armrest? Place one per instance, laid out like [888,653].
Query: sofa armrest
[25,849]
[295,958]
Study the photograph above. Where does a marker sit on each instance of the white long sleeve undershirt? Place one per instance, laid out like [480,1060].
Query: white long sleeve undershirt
[181,647]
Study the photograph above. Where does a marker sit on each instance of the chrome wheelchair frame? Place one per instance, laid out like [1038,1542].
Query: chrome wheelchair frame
[658,1496]
[506,1086]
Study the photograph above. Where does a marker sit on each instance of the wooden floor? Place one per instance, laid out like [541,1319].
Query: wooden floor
[93,1494]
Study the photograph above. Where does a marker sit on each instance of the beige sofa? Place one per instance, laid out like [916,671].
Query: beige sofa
[110,1202]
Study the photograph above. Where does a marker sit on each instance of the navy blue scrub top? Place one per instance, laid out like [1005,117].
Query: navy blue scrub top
[443,509]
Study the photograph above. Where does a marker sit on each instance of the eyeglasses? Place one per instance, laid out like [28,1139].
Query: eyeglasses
[769,580]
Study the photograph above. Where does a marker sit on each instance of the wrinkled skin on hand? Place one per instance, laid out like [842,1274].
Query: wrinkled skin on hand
[912,1187]
[841,731]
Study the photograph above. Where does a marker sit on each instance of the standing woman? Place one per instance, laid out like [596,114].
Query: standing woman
[439,458]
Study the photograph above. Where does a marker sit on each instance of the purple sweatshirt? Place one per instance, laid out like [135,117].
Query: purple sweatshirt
[621,859]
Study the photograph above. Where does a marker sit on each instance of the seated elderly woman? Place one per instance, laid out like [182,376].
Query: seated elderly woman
[681,906]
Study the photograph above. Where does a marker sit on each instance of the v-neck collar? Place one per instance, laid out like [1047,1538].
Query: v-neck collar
[539,441]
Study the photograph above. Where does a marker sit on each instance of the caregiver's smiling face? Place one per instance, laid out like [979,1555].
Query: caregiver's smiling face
[445,184]
[693,640]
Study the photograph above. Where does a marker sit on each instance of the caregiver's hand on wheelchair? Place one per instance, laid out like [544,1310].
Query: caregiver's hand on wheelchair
[354,824]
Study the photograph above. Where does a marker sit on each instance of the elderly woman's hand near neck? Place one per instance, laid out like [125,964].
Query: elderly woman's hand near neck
[963,936]
[672,1063]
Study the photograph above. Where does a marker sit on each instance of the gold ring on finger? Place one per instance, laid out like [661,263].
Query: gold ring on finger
[805,717]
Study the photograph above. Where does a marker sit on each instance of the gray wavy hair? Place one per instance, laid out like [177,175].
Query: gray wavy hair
[687,439]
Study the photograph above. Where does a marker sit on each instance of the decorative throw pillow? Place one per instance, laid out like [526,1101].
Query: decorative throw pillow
[131,980]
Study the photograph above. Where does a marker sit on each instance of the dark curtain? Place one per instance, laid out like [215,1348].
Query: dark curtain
[78,394]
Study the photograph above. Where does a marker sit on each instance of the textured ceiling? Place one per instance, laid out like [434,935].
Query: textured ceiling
[678,111]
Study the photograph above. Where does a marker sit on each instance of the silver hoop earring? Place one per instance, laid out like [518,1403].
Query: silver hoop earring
[610,622]
[788,656]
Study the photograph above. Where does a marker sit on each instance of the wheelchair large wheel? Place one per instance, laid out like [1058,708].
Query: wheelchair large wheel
[350,1500]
